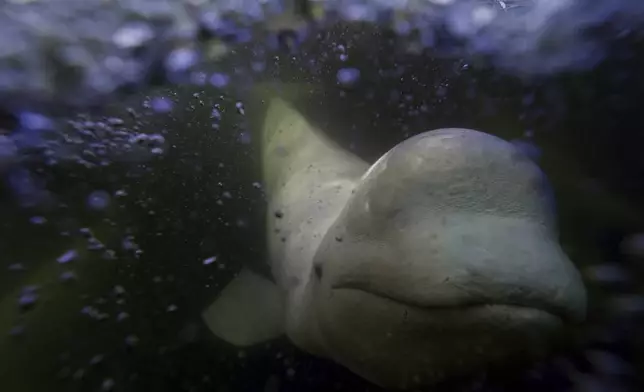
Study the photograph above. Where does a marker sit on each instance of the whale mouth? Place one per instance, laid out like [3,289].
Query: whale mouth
[388,340]
[524,306]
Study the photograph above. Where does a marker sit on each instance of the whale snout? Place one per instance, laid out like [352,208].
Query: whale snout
[465,262]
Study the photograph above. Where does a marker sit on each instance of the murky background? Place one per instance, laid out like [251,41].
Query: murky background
[129,200]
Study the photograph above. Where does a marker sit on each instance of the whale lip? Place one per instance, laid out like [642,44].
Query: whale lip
[527,303]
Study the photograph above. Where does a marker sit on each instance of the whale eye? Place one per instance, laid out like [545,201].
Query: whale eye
[318,271]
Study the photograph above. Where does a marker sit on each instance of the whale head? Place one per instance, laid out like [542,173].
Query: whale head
[445,260]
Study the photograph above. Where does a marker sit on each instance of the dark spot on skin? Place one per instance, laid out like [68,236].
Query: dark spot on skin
[338,238]
[318,271]
[279,214]
[283,239]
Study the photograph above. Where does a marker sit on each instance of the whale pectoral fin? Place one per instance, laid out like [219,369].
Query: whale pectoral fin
[249,310]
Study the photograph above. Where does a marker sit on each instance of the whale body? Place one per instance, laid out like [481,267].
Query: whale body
[439,260]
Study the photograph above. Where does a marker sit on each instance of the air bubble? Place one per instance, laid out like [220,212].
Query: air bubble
[131,340]
[161,104]
[28,298]
[240,108]
[180,60]
[348,76]
[133,35]
[244,138]
[358,12]
[68,256]
[96,359]
[37,220]
[258,66]
[114,121]
[35,121]
[98,200]
[118,290]
[67,276]
[94,244]
[109,254]
[219,80]
[108,385]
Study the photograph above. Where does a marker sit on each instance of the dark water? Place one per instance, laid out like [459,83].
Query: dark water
[129,321]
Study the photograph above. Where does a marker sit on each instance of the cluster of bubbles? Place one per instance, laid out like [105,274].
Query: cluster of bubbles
[83,141]
[545,36]
[59,58]
[58,55]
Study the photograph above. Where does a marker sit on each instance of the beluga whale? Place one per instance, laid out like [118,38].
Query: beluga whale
[437,261]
